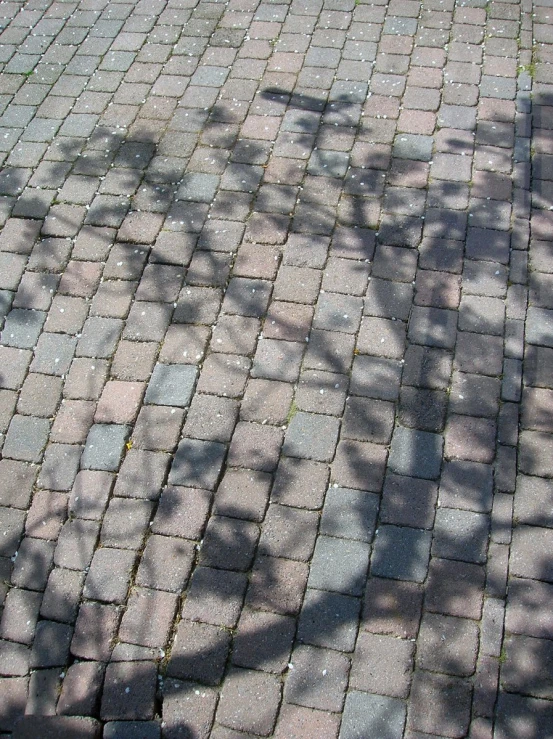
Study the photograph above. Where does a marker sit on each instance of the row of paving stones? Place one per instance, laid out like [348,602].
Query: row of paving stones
[530,592]
[229,436]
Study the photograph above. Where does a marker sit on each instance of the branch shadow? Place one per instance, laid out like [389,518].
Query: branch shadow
[224,559]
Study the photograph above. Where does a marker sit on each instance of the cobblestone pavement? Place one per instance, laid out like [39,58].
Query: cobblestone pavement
[277,376]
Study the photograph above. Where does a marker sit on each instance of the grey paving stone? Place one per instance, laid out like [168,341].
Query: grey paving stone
[433,327]
[523,716]
[368,420]
[336,312]
[34,559]
[53,354]
[26,438]
[401,553]
[339,565]
[527,559]
[416,453]
[376,377]
[328,163]
[388,299]
[522,651]
[198,186]
[277,360]
[349,514]
[22,328]
[318,679]
[439,703]
[99,337]
[457,116]
[372,715]
[247,297]
[539,326]
[467,485]
[199,653]
[528,609]
[60,466]
[57,727]
[461,535]
[289,532]
[532,501]
[197,464]
[311,436]
[171,384]
[329,620]
[482,314]
[447,644]
[413,146]
[132,730]
[330,351]
[104,446]
[51,644]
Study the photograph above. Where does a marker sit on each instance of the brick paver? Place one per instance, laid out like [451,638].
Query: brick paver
[276,406]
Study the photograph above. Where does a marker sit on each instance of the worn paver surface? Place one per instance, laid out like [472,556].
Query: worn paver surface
[276,369]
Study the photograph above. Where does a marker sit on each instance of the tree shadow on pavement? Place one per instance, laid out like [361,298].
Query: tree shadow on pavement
[224,557]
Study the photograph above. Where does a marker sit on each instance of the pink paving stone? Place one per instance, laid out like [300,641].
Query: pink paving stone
[20,615]
[288,321]
[44,688]
[139,627]
[14,659]
[16,483]
[257,260]
[95,631]
[298,722]
[190,704]
[119,402]
[243,493]
[80,279]
[90,493]
[261,127]
[392,607]
[134,360]
[382,664]
[416,121]
[166,563]
[72,421]
[46,515]
[14,697]
[277,585]
[470,438]
[249,701]
[62,595]
[129,691]
[182,512]
[81,688]
[141,228]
